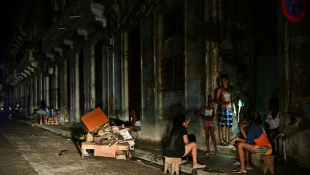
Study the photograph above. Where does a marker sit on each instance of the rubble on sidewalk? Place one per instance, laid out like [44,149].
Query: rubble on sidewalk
[104,139]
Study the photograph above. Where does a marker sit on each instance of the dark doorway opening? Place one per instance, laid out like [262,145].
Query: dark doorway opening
[98,75]
[134,70]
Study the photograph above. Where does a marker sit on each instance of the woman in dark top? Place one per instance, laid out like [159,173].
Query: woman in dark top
[178,144]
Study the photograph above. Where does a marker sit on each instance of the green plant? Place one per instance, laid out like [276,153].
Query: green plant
[82,137]
[102,127]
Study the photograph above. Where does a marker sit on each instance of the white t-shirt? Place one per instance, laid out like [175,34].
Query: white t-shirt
[273,123]
[137,122]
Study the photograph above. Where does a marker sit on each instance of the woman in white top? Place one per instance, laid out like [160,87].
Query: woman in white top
[208,115]
[134,124]
[272,121]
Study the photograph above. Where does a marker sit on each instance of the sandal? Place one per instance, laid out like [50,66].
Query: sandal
[234,158]
[183,161]
[236,163]
[199,166]
[249,168]
[236,169]
[239,172]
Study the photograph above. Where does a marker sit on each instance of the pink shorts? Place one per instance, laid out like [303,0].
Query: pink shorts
[208,123]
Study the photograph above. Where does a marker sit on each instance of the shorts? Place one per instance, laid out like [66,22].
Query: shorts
[225,117]
[263,150]
[175,153]
[208,123]
[42,111]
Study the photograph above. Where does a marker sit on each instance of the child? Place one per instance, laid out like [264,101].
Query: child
[208,123]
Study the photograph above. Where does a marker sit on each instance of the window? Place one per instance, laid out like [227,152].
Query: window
[173,22]
[172,73]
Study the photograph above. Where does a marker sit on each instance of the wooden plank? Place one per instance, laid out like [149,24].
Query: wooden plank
[94,119]
[122,146]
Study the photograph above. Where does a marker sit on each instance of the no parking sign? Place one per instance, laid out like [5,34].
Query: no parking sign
[294,10]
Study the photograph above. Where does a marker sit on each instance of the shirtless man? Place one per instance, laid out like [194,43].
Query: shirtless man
[224,97]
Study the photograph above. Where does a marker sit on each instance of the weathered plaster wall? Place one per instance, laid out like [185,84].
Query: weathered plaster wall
[298,99]
[148,124]
[201,54]
[195,67]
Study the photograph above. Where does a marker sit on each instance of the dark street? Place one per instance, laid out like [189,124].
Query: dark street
[27,150]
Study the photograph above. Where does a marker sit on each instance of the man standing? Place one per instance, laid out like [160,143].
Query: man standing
[243,93]
[224,97]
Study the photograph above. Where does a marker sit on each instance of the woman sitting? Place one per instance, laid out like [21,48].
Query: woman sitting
[57,117]
[178,145]
[134,123]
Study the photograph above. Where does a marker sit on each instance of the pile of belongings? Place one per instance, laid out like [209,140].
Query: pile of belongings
[108,135]
[106,140]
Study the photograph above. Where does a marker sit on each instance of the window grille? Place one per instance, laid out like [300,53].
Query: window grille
[172,73]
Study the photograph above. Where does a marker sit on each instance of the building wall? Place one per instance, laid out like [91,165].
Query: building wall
[295,79]
[202,68]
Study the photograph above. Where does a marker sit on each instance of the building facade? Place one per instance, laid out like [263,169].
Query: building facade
[160,58]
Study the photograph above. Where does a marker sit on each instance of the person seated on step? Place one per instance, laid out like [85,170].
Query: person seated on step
[256,142]
[272,121]
[134,123]
[243,130]
[57,117]
[178,144]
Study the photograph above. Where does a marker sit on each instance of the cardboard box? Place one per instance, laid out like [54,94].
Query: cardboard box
[94,119]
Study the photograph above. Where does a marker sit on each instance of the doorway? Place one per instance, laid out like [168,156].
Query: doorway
[134,70]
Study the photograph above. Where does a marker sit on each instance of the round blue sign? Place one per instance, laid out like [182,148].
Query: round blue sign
[294,10]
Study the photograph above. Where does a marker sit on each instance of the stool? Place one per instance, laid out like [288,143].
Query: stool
[268,163]
[86,145]
[50,121]
[172,164]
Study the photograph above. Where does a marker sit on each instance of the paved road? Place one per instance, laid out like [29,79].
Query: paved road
[29,150]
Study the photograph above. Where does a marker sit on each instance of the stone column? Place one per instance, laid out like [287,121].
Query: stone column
[47,90]
[40,88]
[35,90]
[92,78]
[56,86]
[61,92]
[77,89]
[72,89]
[30,96]
[65,89]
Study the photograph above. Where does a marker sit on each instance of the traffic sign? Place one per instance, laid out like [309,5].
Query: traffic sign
[294,10]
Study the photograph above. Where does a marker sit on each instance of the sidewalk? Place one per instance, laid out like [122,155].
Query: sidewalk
[152,152]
